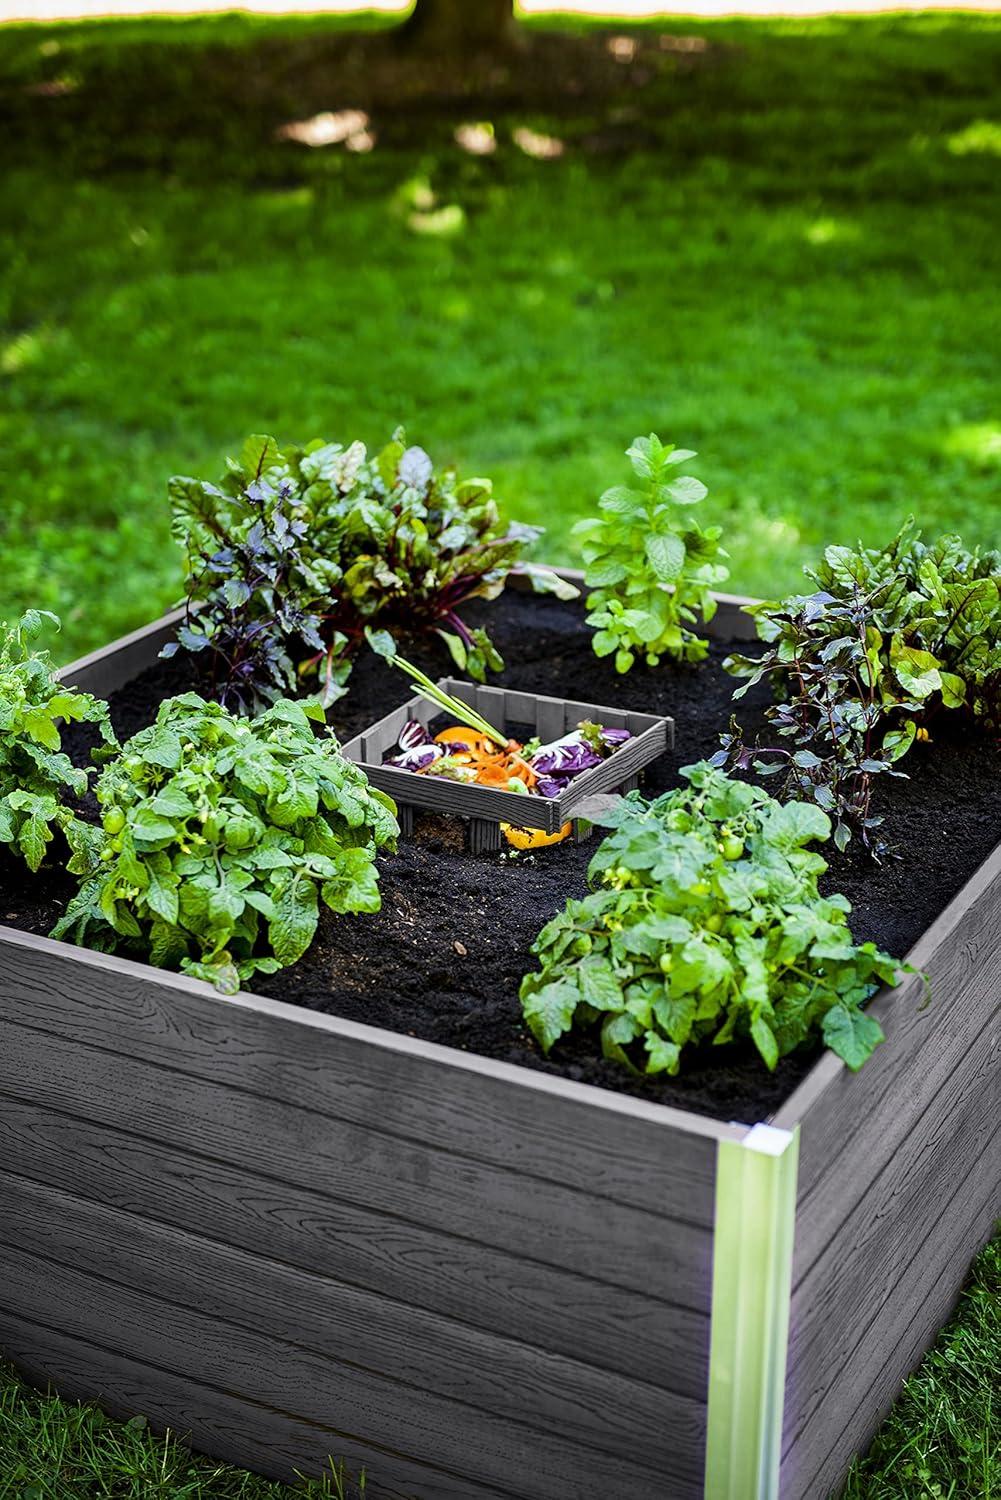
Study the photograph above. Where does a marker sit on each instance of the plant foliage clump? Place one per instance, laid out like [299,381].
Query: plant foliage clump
[889,638]
[650,565]
[705,924]
[220,839]
[297,556]
[35,774]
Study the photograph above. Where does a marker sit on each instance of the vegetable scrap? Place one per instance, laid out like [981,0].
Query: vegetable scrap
[473,750]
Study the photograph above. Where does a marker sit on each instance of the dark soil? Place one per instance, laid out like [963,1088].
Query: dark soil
[444,957]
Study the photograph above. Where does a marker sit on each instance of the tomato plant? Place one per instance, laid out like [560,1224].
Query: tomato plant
[221,838]
[705,924]
[38,782]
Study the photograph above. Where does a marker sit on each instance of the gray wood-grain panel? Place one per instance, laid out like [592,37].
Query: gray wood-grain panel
[420,1185]
[493,1373]
[900,1183]
[848,1366]
[104,671]
[277,1373]
[852,1125]
[611,1145]
[609,1327]
[270,1442]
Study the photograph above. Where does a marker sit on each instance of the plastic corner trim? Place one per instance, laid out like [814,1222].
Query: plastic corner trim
[755,1220]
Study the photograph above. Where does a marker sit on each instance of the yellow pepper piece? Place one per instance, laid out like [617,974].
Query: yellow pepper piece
[534,838]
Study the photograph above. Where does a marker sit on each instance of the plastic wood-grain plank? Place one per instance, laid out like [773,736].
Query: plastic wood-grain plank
[853,1125]
[882,1153]
[851,1294]
[426,1186]
[493,1373]
[275,1373]
[863,1380]
[585,1320]
[102,672]
[219,1423]
[627,1150]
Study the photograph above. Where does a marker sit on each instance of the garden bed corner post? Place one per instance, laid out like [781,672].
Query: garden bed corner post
[755,1218]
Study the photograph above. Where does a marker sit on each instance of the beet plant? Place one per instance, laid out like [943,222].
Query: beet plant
[220,839]
[889,640]
[38,782]
[297,557]
[650,566]
[705,924]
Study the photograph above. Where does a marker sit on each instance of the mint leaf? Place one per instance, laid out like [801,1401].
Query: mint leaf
[651,569]
[666,555]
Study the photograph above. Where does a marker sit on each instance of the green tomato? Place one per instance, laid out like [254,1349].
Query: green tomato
[113,820]
[211,827]
[714,923]
[107,853]
[700,888]
[666,963]
[733,847]
[581,946]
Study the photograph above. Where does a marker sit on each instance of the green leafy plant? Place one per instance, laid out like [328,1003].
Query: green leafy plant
[890,638]
[35,775]
[705,924]
[297,557]
[220,839]
[650,566]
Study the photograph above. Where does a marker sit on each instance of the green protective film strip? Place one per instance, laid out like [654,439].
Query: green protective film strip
[752,1282]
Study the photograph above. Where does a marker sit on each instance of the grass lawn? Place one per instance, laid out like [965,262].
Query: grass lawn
[941,1442]
[777,250]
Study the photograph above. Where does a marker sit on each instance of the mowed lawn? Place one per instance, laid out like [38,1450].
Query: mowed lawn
[773,244]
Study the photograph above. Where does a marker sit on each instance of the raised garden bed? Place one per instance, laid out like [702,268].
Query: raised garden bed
[291,1233]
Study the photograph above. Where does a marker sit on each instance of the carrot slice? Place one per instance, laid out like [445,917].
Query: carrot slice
[458,734]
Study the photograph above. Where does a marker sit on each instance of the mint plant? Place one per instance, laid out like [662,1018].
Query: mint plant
[650,566]
[890,638]
[705,924]
[298,557]
[221,837]
[36,777]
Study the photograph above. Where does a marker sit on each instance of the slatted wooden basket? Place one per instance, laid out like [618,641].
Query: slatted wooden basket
[485,808]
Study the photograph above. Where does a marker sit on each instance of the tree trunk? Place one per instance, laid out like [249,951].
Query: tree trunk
[462,26]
